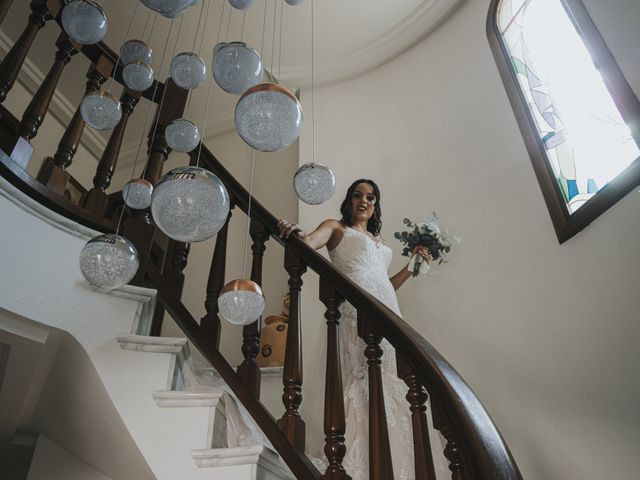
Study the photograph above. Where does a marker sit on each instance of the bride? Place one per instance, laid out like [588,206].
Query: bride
[355,248]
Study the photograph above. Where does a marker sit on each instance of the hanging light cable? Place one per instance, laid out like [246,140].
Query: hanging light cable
[190,204]
[241,301]
[314,183]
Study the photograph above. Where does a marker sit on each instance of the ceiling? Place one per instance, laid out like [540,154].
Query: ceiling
[351,37]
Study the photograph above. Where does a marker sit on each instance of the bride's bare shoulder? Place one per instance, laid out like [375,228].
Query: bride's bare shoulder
[337,229]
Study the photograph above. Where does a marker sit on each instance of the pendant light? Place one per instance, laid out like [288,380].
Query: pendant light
[136,51]
[188,70]
[241,4]
[236,67]
[241,301]
[84,21]
[268,117]
[182,135]
[137,193]
[101,110]
[190,204]
[170,8]
[313,183]
[109,261]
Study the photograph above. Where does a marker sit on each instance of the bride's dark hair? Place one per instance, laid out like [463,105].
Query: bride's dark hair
[375,222]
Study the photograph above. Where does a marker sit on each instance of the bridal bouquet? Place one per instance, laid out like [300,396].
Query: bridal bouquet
[427,234]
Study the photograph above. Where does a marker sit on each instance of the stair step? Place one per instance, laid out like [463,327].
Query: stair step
[259,455]
[172,398]
[152,344]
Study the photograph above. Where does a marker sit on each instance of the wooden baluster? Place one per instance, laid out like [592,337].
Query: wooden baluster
[248,370]
[12,63]
[174,101]
[451,450]
[417,397]
[96,199]
[37,109]
[380,464]
[53,172]
[174,262]
[291,422]
[211,323]
[334,421]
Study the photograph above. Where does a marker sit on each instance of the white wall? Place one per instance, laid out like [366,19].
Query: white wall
[52,462]
[545,334]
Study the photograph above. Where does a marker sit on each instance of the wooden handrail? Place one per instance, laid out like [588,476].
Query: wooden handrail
[479,447]
[299,464]
[482,444]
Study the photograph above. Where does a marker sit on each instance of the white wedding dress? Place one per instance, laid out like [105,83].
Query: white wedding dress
[366,261]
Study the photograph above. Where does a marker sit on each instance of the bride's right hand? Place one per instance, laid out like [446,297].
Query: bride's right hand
[286,228]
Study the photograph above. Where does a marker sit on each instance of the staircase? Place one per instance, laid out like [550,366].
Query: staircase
[153,411]
[180,427]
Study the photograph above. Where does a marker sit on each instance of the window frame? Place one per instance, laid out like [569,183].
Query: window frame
[566,224]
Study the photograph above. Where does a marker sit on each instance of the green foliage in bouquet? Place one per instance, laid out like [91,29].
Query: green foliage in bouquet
[427,234]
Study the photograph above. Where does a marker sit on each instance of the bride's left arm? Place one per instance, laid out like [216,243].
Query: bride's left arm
[403,275]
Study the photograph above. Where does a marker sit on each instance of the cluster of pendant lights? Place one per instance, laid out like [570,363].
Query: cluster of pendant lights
[190,204]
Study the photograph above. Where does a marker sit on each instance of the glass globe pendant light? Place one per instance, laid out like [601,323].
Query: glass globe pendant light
[84,21]
[241,4]
[236,67]
[182,135]
[268,117]
[101,110]
[314,183]
[138,76]
[169,8]
[188,70]
[136,51]
[109,261]
[190,204]
[137,193]
[241,302]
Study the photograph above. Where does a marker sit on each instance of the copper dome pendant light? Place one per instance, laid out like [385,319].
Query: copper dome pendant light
[241,301]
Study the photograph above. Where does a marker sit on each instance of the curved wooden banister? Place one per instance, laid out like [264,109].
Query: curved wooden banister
[479,438]
[475,448]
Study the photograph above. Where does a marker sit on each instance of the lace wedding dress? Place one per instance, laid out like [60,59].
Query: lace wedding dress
[366,260]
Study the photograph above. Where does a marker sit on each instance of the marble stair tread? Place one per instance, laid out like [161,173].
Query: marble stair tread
[183,398]
[152,344]
[259,455]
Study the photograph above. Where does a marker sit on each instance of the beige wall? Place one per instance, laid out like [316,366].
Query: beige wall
[546,334]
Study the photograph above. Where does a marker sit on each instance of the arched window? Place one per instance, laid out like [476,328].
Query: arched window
[576,111]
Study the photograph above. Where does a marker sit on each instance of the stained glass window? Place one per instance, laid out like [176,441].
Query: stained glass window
[585,137]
